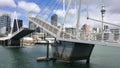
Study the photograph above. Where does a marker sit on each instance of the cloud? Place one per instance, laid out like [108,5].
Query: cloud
[32,14]
[112,13]
[9,13]
[29,6]
[114,6]
[7,3]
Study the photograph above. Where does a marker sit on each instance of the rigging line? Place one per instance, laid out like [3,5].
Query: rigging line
[32,8]
[41,7]
[87,9]
[78,19]
[103,22]
[56,7]
[59,32]
[75,11]
[44,8]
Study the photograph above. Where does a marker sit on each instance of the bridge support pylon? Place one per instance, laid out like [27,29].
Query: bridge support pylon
[14,42]
[11,42]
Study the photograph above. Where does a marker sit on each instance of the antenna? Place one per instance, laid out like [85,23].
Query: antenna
[102,15]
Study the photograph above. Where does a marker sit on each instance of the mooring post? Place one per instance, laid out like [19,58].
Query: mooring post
[47,56]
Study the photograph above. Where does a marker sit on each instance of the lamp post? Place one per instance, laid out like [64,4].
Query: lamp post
[102,14]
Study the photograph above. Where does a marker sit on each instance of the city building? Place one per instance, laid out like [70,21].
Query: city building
[98,33]
[16,26]
[71,30]
[106,27]
[54,19]
[116,34]
[86,29]
[5,24]
[32,26]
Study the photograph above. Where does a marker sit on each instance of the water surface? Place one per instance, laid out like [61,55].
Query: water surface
[102,57]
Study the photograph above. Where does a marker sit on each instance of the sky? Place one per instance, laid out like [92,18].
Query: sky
[44,9]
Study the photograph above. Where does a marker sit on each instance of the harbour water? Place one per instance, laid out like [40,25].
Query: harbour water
[102,57]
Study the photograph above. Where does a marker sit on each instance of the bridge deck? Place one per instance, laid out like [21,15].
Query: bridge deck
[23,33]
[67,37]
[53,30]
[18,34]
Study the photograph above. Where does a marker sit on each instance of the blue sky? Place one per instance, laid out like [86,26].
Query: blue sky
[45,8]
[32,7]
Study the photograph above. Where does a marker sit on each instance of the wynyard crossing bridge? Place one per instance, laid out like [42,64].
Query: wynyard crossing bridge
[67,46]
[75,47]
[14,37]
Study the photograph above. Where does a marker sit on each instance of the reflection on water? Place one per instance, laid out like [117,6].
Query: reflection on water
[102,57]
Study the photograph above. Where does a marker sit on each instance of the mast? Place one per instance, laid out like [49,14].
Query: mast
[78,20]
[63,29]
[67,10]
[75,11]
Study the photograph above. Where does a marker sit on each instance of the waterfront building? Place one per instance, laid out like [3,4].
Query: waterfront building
[71,30]
[16,26]
[116,33]
[98,33]
[32,26]
[86,29]
[106,27]
[54,19]
[96,30]
[5,24]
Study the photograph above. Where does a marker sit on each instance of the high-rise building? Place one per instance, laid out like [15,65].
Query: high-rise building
[106,27]
[54,20]
[20,24]
[5,24]
[32,26]
[86,29]
[116,33]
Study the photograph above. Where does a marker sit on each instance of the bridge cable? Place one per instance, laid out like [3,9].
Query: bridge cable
[56,6]
[78,19]
[59,32]
[49,3]
[33,8]
[104,22]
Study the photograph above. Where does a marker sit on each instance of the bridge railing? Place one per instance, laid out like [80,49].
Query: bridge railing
[50,28]
[91,36]
[107,37]
[44,25]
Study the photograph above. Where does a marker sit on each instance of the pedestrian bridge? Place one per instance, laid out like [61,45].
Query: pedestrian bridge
[64,36]
[14,38]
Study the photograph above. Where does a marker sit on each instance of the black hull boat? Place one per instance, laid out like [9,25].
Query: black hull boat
[72,51]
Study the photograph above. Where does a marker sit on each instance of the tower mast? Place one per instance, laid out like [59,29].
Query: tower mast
[78,20]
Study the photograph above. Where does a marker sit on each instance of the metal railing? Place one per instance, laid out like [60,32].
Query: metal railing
[53,30]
